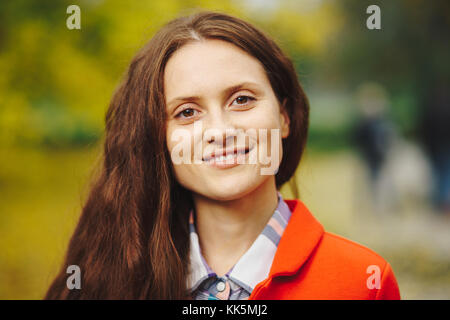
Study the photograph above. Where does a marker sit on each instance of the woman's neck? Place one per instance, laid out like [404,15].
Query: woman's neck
[227,229]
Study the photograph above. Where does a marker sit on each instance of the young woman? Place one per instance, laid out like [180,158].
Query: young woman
[208,124]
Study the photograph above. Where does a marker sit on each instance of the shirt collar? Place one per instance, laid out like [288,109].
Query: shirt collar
[254,266]
[303,228]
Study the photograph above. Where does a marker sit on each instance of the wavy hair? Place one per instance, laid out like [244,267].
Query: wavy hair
[132,238]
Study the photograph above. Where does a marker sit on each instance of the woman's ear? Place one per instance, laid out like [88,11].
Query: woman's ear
[284,120]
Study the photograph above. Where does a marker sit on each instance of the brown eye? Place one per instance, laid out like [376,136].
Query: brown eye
[242,100]
[186,113]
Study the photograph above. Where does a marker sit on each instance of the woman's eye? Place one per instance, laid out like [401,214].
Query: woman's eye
[186,113]
[242,100]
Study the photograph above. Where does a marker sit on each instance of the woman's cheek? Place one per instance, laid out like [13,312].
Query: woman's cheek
[264,115]
[179,141]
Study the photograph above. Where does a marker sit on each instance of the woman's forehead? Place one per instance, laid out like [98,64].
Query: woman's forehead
[203,66]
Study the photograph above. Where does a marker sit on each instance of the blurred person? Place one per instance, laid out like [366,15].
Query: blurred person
[373,136]
[435,136]
[154,228]
[408,173]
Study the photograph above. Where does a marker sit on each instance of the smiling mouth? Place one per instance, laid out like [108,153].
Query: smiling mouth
[218,157]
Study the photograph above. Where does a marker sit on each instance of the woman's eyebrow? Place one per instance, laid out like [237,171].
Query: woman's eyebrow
[225,93]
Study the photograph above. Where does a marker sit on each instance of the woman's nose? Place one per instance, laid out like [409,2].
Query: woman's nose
[219,129]
[225,140]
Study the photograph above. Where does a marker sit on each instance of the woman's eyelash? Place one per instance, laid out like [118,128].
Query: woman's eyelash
[243,96]
[179,115]
[181,112]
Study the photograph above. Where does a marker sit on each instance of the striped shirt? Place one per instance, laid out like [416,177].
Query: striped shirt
[252,268]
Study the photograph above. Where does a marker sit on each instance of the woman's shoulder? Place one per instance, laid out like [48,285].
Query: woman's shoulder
[328,244]
[365,273]
[345,249]
[324,265]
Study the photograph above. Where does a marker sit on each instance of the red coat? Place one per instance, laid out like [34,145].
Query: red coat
[313,264]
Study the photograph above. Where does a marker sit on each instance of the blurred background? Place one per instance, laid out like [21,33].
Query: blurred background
[377,165]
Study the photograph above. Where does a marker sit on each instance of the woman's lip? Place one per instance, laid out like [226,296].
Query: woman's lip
[225,164]
[225,152]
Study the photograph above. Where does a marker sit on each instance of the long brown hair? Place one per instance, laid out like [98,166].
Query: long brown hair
[132,239]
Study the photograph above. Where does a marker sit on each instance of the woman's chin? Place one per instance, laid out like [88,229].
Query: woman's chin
[231,189]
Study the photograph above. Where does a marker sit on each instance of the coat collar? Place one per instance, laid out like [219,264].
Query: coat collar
[255,264]
[301,236]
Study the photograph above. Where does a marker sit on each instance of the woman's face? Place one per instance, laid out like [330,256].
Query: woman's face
[214,93]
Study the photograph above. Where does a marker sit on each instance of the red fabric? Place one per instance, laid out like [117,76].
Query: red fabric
[313,264]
